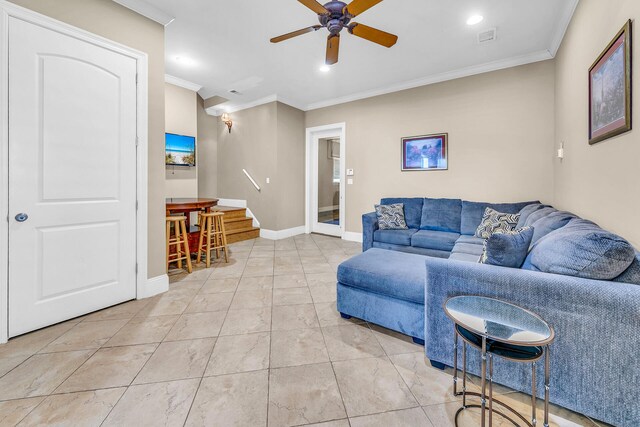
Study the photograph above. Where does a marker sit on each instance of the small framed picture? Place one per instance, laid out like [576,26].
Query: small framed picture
[610,89]
[425,153]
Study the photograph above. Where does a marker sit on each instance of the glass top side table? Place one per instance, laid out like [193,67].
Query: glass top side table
[498,328]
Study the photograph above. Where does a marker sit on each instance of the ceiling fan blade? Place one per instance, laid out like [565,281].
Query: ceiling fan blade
[372,34]
[315,6]
[295,33]
[356,7]
[333,47]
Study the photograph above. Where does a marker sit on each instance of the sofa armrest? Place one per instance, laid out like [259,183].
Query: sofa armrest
[369,225]
[597,324]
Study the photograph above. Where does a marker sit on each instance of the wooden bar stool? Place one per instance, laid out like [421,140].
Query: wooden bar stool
[179,239]
[212,236]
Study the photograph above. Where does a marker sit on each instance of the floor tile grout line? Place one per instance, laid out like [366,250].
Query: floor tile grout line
[210,356]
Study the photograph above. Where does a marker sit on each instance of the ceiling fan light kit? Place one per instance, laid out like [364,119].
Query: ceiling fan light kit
[336,16]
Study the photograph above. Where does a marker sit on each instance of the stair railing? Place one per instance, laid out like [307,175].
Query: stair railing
[253,181]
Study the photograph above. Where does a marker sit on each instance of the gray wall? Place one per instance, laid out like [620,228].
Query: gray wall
[599,182]
[267,141]
[117,23]
[501,131]
[181,118]
[207,152]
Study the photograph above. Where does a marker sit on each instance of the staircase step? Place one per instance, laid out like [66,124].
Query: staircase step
[231,212]
[243,234]
[231,224]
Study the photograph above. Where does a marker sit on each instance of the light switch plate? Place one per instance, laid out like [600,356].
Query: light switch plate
[350,181]
[268,180]
[349,172]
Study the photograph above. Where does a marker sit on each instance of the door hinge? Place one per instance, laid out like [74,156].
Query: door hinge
[137,140]
[136,205]
[136,268]
[136,78]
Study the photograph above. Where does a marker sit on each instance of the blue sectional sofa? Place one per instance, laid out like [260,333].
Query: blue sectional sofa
[402,280]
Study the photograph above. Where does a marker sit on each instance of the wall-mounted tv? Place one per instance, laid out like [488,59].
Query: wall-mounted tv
[180,150]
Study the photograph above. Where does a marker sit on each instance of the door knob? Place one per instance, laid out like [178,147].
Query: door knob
[22,217]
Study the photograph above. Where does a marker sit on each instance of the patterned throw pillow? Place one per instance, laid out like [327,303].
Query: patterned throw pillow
[507,248]
[391,217]
[493,221]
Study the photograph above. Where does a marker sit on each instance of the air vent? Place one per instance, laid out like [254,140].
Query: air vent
[487,36]
[235,92]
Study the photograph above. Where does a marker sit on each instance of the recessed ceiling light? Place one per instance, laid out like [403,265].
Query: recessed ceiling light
[475,19]
[325,68]
[183,60]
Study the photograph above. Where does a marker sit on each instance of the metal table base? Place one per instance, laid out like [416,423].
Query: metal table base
[483,385]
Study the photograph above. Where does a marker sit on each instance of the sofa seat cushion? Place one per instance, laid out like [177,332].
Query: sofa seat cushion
[473,240]
[440,240]
[395,274]
[441,215]
[412,209]
[581,249]
[412,250]
[468,248]
[464,257]
[395,237]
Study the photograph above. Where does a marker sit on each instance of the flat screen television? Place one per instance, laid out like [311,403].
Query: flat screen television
[180,150]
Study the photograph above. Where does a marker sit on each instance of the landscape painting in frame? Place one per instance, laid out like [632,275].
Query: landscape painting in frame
[180,150]
[610,89]
[425,153]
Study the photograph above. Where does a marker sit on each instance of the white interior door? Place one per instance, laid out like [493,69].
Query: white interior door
[72,173]
[326,180]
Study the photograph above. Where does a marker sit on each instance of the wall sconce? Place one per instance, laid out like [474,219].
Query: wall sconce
[227,121]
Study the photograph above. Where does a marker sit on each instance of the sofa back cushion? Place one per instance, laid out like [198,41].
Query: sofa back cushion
[472,213]
[581,249]
[631,274]
[412,209]
[528,210]
[441,215]
[549,223]
[537,215]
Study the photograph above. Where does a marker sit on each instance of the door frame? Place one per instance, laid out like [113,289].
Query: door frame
[311,179]
[8,10]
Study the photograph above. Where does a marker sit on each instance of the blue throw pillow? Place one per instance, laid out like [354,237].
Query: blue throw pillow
[507,248]
[581,249]
[391,217]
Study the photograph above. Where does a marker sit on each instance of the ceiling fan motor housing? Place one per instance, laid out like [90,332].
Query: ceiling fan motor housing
[335,20]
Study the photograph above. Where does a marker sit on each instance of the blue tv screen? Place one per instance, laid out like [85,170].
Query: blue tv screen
[180,150]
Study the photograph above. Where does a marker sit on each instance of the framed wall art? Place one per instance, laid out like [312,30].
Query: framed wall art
[610,89]
[425,153]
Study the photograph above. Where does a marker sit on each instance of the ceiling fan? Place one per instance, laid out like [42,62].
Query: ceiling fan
[336,15]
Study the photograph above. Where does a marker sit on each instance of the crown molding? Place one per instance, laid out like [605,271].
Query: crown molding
[229,107]
[565,20]
[147,9]
[176,81]
[542,55]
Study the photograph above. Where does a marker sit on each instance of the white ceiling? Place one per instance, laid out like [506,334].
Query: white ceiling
[229,44]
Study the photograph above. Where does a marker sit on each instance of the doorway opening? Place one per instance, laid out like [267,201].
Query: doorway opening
[325,204]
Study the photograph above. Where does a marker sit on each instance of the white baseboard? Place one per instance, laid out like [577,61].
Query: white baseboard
[154,286]
[238,203]
[352,237]
[329,208]
[282,234]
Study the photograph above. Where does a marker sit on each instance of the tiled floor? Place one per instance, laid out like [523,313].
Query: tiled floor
[254,342]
